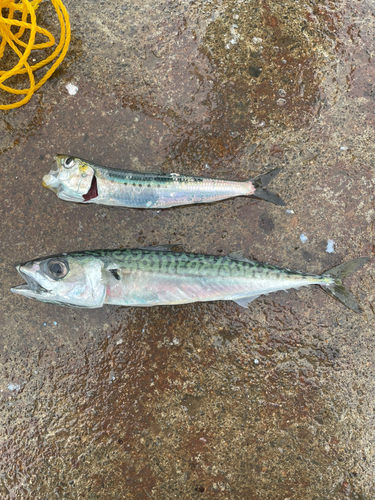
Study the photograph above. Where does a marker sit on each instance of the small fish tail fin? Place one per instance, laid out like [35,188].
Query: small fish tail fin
[337,289]
[261,182]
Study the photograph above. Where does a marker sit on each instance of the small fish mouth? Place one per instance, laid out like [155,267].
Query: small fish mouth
[50,181]
[32,287]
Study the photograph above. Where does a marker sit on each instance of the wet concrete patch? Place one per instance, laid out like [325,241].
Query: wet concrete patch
[255,66]
[202,400]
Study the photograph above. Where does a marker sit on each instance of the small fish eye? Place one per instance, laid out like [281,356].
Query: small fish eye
[57,269]
[69,162]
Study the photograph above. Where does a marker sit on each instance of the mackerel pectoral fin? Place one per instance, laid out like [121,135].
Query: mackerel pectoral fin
[108,277]
[245,301]
[338,289]
[112,276]
[261,182]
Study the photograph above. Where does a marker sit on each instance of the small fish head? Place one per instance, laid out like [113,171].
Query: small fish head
[64,280]
[72,180]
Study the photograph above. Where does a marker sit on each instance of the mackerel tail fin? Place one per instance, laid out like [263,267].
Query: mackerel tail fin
[261,182]
[338,289]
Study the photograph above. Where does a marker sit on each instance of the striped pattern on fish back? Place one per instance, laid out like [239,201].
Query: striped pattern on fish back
[149,179]
[161,261]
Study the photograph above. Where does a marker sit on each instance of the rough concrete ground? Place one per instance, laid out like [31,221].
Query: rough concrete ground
[169,402]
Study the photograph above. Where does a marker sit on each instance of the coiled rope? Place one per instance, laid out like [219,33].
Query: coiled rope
[9,37]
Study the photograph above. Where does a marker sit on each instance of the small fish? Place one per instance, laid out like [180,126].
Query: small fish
[158,275]
[84,182]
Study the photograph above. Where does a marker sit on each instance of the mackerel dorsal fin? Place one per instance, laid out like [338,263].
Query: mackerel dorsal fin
[238,255]
[164,248]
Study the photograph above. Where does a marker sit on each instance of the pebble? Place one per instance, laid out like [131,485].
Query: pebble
[330,246]
[72,89]
[14,387]
[281,102]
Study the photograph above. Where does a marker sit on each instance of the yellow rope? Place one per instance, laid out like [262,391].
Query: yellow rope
[12,38]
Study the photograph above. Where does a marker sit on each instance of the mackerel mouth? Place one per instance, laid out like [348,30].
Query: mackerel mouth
[31,285]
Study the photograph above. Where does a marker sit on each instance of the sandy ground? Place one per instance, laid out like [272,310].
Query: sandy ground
[274,402]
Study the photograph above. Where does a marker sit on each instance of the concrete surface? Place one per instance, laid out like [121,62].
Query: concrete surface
[169,402]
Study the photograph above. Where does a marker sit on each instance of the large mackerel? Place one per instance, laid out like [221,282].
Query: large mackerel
[160,276]
[85,182]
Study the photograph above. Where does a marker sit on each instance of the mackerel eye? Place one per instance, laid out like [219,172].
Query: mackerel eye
[57,268]
[69,162]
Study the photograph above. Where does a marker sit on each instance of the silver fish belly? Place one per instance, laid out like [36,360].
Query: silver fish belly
[84,182]
[158,276]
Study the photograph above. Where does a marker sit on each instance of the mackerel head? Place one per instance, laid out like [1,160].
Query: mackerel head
[68,279]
